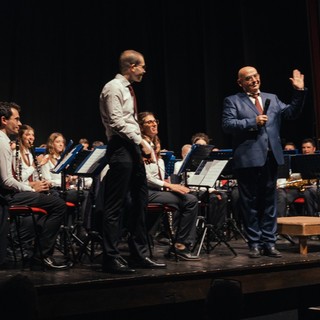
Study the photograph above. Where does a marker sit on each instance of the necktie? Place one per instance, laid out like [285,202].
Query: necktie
[134,100]
[257,102]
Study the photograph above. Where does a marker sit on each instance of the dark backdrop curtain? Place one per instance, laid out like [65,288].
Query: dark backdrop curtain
[57,55]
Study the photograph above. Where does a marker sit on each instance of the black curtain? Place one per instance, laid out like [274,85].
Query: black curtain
[57,55]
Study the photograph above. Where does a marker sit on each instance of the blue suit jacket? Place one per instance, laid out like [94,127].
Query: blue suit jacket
[251,142]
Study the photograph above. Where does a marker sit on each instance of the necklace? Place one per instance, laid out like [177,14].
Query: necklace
[18,164]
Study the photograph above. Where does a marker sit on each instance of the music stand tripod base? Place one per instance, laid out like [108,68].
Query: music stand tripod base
[211,233]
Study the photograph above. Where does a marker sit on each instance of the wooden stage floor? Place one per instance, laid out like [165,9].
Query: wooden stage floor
[268,285]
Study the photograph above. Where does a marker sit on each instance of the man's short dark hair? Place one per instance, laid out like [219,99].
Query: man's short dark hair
[5,108]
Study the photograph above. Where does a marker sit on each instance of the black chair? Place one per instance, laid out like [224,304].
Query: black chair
[20,211]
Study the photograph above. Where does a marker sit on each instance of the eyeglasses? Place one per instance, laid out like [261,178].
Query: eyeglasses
[150,122]
[250,78]
[144,67]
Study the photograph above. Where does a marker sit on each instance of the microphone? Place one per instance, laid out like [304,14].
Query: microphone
[266,106]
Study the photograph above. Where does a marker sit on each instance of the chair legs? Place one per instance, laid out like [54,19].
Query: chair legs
[18,212]
[166,214]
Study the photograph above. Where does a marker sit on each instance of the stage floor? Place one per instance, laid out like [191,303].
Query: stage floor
[85,292]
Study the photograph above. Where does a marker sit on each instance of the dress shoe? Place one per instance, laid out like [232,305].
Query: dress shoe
[117,265]
[47,263]
[162,239]
[272,252]
[254,252]
[183,254]
[147,263]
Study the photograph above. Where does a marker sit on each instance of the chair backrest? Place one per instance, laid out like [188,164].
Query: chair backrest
[299,200]
[26,210]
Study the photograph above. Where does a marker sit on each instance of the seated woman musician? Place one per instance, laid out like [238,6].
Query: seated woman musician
[56,144]
[74,191]
[175,195]
[27,167]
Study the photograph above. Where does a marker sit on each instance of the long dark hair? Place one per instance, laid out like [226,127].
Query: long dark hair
[155,141]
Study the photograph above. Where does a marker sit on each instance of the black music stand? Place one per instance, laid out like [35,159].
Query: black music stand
[65,162]
[284,172]
[206,173]
[169,160]
[68,161]
[284,169]
[193,158]
[92,166]
[308,165]
[230,226]
[93,163]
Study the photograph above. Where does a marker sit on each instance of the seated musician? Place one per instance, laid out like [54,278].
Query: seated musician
[85,143]
[27,169]
[75,192]
[218,200]
[289,146]
[27,166]
[17,193]
[175,195]
[296,187]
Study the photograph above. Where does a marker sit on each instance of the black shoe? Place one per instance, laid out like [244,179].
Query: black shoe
[254,252]
[47,263]
[117,265]
[272,252]
[162,239]
[147,263]
[183,254]
[81,233]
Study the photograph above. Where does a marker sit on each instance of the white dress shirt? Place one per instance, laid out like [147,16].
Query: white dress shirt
[7,180]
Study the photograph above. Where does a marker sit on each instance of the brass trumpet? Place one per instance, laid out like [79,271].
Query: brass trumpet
[300,183]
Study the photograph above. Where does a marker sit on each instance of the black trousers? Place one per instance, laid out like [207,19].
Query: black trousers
[186,215]
[126,178]
[257,198]
[50,223]
[4,229]
[286,196]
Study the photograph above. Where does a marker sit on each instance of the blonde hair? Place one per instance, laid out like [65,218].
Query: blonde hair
[53,136]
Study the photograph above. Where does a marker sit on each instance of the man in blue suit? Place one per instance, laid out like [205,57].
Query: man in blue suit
[257,152]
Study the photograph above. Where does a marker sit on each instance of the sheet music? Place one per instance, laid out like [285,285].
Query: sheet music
[207,173]
[194,157]
[92,161]
[67,159]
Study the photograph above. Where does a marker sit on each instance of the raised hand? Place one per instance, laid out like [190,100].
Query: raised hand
[297,79]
